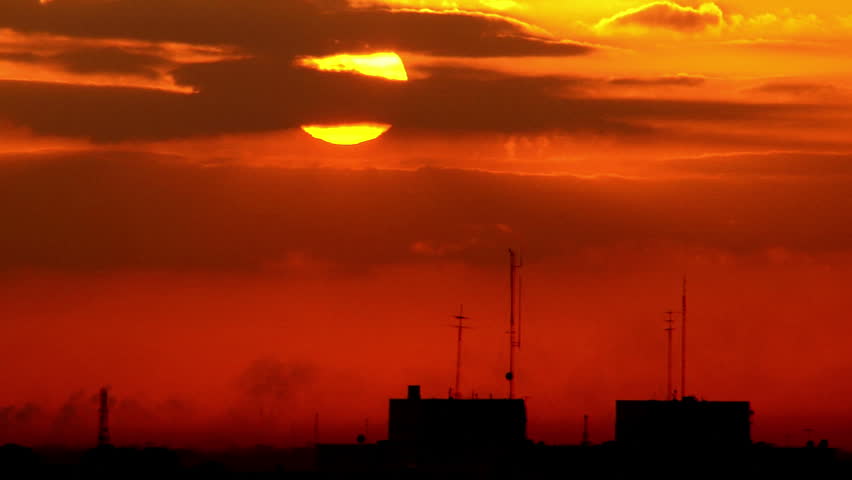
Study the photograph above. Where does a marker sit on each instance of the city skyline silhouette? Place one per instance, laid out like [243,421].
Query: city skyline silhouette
[232,232]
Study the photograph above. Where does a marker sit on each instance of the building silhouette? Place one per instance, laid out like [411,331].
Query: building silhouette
[453,422]
[438,435]
[683,424]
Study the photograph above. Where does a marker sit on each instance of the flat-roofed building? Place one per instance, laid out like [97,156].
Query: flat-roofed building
[452,422]
[687,423]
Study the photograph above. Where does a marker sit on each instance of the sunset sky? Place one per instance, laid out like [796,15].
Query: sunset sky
[240,213]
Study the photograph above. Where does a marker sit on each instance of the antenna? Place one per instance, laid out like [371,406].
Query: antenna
[514,330]
[585,441]
[461,318]
[683,342]
[103,418]
[670,395]
[520,302]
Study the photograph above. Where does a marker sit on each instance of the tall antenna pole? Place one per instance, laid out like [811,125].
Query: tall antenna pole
[670,321]
[514,337]
[520,302]
[461,318]
[683,342]
[585,441]
[103,418]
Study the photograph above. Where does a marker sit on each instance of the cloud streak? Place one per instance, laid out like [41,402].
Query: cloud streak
[666,15]
[107,212]
[680,79]
[257,96]
[286,29]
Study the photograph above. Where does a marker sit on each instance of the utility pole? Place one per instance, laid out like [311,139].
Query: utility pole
[460,326]
[670,395]
[103,418]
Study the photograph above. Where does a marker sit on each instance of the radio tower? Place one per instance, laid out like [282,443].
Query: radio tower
[683,342]
[514,307]
[670,321]
[461,326]
[103,418]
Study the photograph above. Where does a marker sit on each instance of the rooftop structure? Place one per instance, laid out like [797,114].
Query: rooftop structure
[452,422]
[687,423]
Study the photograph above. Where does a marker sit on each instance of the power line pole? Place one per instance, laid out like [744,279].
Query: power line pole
[670,321]
[460,326]
[103,418]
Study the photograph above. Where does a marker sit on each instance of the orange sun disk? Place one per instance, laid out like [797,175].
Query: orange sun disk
[348,134]
[386,65]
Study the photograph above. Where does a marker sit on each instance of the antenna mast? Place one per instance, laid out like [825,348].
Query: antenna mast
[683,342]
[461,318]
[514,307]
[520,304]
[103,418]
[670,321]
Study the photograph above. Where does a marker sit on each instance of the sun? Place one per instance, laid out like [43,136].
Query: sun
[386,65]
[347,134]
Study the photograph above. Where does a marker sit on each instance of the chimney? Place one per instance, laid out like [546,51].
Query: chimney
[414,392]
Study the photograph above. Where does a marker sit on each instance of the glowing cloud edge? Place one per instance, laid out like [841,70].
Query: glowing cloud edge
[387,65]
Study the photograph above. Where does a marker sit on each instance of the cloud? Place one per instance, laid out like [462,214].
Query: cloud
[13,417]
[666,15]
[105,62]
[500,4]
[109,60]
[267,383]
[780,28]
[99,112]
[114,212]
[46,45]
[21,423]
[239,66]
[287,29]
[783,21]
[239,55]
[799,89]
[458,101]
[237,96]
[256,95]
[73,415]
[680,79]
[784,45]
[438,249]
[269,378]
[808,165]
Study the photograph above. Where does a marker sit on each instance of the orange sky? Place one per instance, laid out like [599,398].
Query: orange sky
[172,227]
